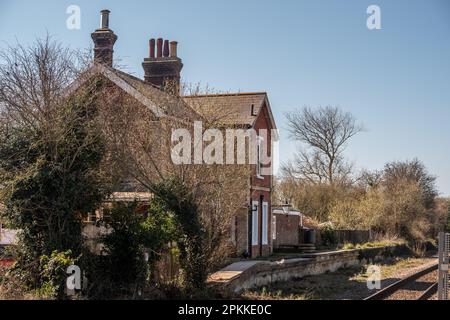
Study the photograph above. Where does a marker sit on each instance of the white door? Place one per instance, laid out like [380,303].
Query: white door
[265,223]
[255,218]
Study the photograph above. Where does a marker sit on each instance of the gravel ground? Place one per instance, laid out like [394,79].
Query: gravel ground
[413,290]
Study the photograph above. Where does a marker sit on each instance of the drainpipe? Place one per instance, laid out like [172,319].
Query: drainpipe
[301,220]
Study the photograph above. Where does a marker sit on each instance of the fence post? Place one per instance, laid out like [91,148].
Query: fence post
[443,266]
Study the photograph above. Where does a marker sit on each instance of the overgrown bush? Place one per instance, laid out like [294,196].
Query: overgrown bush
[363,212]
[53,272]
[193,258]
[159,228]
[397,210]
[123,247]
[399,200]
[50,176]
[122,269]
[327,237]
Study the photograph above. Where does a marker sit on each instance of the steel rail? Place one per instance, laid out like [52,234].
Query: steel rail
[427,294]
[394,287]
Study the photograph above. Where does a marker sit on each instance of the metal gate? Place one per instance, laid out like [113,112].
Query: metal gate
[443,277]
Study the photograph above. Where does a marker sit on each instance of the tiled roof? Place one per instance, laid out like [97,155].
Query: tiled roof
[229,108]
[171,105]
[159,102]
[233,108]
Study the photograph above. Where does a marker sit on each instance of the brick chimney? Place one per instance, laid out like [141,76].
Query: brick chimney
[163,68]
[104,39]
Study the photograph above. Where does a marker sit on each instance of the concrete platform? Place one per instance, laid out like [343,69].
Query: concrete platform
[246,274]
[232,271]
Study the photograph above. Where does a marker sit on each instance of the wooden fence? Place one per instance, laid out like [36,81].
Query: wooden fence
[167,268]
[337,237]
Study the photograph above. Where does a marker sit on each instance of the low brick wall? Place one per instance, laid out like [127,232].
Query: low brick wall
[262,273]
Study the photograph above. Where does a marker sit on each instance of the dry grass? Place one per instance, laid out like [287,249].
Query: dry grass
[373,244]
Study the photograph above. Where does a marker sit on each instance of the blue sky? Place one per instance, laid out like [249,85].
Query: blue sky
[395,80]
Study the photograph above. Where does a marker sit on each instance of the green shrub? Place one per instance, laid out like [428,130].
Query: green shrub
[327,236]
[122,269]
[53,272]
[178,199]
[157,230]
[123,259]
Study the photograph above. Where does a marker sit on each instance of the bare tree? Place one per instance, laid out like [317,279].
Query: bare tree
[50,153]
[33,80]
[140,148]
[370,179]
[325,132]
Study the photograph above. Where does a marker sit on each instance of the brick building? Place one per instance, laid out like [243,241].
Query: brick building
[251,230]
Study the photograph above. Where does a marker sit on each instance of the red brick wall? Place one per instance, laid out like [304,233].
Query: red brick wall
[261,191]
[241,237]
[262,188]
[286,229]
[263,122]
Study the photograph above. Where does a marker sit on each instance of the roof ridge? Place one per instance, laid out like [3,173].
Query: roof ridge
[226,94]
[123,75]
[134,77]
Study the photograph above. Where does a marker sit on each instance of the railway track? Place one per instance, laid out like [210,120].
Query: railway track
[420,285]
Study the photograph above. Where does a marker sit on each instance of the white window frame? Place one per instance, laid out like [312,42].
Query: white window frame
[255,224]
[259,155]
[265,223]
[274,227]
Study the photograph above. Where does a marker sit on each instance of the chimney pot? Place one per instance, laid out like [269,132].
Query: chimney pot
[166,48]
[173,49]
[104,39]
[159,47]
[104,21]
[152,48]
[162,71]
